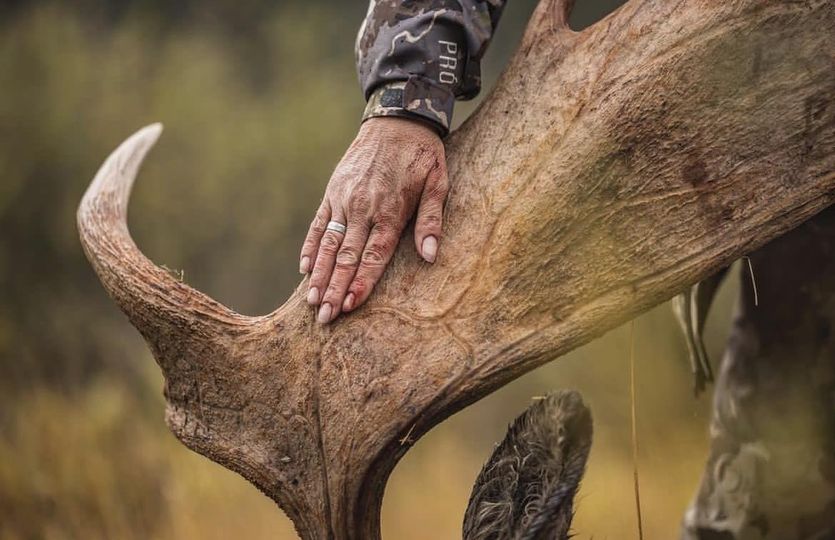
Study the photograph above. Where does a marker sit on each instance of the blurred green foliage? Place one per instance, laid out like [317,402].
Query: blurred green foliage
[259,99]
[243,162]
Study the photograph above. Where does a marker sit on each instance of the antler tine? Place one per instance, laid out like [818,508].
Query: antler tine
[550,18]
[165,310]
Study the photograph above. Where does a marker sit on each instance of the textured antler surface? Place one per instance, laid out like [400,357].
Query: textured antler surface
[608,170]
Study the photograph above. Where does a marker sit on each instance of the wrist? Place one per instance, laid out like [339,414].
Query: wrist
[417,126]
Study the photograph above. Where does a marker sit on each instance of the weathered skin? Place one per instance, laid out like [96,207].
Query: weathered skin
[394,169]
[416,57]
[771,471]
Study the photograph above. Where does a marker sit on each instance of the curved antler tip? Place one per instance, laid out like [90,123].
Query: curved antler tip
[152,131]
[138,144]
[142,140]
[107,195]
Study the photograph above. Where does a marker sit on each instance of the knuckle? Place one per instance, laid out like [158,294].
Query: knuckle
[329,244]
[375,254]
[317,278]
[430,219]
[347,257]
[360,286]
[438,190]
[423,158]
[386,222]
[359,202]
[319,222]
[436,195]
[333,291]
[431,160]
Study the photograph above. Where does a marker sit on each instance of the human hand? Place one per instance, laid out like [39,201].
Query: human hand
[393,167]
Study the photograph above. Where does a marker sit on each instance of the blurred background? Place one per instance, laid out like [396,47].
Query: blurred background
[259,99]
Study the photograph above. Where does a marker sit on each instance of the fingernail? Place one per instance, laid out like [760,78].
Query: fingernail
[313,295]
[348,304]
[325,313]
[304,265]
[429,248]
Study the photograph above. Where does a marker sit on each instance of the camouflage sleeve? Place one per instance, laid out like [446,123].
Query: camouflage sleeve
[416,57]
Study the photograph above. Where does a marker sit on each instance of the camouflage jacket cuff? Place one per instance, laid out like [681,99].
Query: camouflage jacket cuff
[415,98]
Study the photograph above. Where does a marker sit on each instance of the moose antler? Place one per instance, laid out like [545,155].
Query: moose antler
[607,171]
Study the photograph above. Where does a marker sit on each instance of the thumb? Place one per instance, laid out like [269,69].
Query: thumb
[428,224]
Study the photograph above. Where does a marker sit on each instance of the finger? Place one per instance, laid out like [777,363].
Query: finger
[347,261]
[382,241]
[428,223]
[314,235]
[324,261]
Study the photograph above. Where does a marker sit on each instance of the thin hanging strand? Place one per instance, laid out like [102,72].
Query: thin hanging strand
[753,281]
[634,429]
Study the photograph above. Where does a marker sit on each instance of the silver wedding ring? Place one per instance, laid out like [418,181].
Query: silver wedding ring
[336,227]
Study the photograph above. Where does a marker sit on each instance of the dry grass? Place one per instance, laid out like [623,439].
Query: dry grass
[101,464]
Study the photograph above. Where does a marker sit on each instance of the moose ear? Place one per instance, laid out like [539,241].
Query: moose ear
[526,489]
